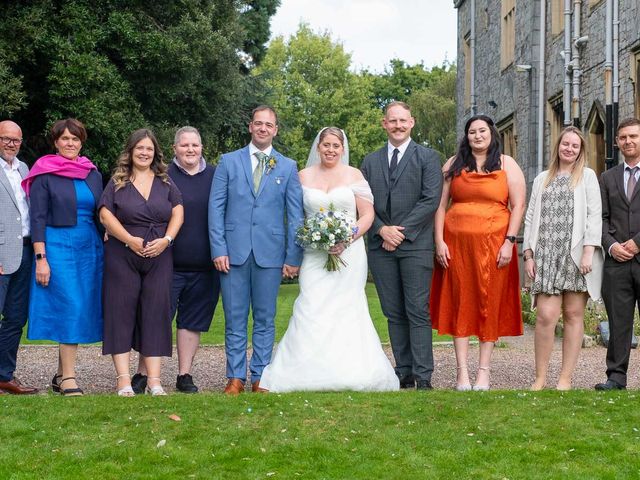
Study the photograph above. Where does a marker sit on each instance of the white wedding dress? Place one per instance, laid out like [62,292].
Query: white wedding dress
[331,343]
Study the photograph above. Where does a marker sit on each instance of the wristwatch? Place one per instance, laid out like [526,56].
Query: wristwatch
[511,238]
[40,256]
[169,239]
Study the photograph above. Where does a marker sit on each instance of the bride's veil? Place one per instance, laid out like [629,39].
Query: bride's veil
[314,155]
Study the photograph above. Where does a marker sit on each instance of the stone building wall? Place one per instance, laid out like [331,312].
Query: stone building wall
[515,93]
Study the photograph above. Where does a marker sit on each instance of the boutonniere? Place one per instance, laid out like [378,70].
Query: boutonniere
[270,163]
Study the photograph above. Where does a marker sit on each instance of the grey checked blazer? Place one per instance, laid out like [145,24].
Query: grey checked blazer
[414,192]
[10,223]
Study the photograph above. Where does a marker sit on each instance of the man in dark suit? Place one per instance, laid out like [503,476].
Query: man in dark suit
[621,239]
[16,256]
[406,182]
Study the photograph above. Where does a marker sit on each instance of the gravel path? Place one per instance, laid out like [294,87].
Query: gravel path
[513,366]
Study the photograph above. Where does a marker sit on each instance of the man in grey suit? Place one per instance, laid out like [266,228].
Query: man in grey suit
[406,181]
[621,241]
[16,255]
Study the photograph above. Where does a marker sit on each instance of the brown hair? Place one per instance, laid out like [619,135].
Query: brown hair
[578,167]
[262,108]
[74,126]
[124,165]
[627,122]
[331,131]
[396,103]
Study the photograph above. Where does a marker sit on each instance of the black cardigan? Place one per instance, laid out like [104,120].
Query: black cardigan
[53,202]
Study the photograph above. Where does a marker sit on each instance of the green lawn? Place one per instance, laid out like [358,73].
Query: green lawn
[438,434]
[286,298]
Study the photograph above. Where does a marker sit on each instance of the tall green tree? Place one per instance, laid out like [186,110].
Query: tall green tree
[120,65]
[431,94]
[310,85]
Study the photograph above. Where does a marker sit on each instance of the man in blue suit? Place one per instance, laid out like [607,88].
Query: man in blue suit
[255,208]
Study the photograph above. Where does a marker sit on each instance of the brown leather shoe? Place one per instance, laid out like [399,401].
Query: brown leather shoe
[255,387]
[14,387]
[235,386]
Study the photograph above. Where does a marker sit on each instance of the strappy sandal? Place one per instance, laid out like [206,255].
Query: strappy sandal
[126,391]
[155,390]
[463,387]
[482,388]
[55,386]
[70,392]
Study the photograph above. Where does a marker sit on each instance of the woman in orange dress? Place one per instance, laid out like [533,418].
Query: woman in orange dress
[475,288]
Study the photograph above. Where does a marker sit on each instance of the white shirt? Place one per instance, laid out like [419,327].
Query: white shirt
[627,174]
[13,174]
[252,151]
[401,149]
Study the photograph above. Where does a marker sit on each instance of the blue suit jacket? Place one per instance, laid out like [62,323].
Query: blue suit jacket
[242,221]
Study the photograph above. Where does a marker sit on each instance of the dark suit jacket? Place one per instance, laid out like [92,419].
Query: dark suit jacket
[414,194]
[53,202]
[620,217]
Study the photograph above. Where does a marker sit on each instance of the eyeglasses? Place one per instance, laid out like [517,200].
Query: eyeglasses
[9,141]
[268,125]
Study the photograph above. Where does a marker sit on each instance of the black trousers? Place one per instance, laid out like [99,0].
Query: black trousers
[403,282]
[621,293]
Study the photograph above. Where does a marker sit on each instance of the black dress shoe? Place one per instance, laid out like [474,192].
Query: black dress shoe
[423,385]
[407,381]
[609,385]
[139,383]
[184,384]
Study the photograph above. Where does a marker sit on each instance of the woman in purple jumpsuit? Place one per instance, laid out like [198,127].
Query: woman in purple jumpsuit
[142,211]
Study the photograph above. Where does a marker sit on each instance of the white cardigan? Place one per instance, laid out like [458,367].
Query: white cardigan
[587,224]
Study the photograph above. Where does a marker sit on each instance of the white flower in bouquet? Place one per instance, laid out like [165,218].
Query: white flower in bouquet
[324,230]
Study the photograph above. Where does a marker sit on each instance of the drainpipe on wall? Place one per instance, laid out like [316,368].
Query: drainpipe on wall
[541,99]
[608,92]
[616,78]
[472,51]
[575,64]
[566,92]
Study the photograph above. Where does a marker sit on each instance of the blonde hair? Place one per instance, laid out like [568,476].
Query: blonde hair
[124,165]
[578,166]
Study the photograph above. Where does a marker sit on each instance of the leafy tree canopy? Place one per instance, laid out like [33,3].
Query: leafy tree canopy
[120,65]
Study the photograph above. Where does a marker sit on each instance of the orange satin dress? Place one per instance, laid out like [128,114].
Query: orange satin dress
[473,296]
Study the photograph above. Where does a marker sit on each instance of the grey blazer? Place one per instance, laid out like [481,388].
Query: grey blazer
[620,217]
[414,193]
[10,223]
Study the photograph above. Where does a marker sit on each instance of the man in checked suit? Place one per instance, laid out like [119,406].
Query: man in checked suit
[16,256]
[406,181]
[255,207]
[621,240]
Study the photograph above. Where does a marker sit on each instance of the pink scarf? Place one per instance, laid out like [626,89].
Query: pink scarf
[58,165]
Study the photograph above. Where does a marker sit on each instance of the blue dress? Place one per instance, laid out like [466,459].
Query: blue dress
[69,309]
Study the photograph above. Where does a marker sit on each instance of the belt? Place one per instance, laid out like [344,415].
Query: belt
[26,241]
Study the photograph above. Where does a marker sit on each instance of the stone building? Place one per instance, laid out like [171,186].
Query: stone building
[535,66]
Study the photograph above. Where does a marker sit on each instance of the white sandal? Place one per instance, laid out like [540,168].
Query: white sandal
[462,387]
[155,390]
[126,391]
[482,388]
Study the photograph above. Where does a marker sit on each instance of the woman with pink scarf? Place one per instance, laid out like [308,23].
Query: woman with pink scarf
[65,304]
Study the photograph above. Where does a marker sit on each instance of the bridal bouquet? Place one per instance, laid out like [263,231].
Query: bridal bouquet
[324,230]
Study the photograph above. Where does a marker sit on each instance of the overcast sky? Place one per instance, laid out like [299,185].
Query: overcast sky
[375,31]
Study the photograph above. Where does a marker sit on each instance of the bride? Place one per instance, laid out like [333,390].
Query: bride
[330,343]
